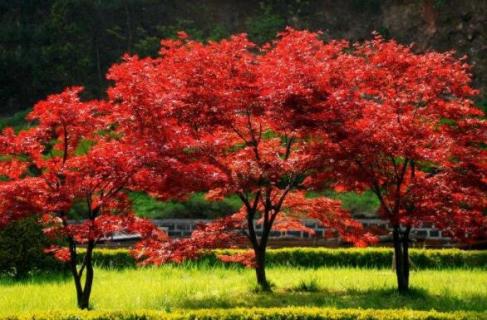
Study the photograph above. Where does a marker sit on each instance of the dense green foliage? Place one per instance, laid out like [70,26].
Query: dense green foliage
[50,44]
[255,314]
[16,121]
[196,207]
[327,257]
[21,250]
[193,286]
[365,203]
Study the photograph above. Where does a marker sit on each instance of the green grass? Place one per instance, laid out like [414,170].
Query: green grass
[173,287]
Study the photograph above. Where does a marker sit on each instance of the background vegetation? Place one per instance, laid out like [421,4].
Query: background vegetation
[196,207]
[323,257]
[46,45]
[21,250]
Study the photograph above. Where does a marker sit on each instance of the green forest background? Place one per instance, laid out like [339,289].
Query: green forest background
[46,45]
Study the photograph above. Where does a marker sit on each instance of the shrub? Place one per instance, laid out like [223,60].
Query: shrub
[21,249]
[195,207]
[374,257]
[16,121]
[113,258]
[321,257]
[291,313]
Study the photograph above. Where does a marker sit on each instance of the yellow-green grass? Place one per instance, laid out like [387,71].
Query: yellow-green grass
[173,287]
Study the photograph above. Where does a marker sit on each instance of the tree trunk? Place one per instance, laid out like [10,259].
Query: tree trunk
[405,254]
[260,269]
[73,261]
[83,301]
[83,293]
[401,258]
[259,246]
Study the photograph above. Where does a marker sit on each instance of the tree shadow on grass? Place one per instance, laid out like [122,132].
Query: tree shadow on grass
[417,299]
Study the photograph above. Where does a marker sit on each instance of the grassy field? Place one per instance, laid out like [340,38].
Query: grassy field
[171,288]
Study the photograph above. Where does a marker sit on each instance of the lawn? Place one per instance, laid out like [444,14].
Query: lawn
[193,287]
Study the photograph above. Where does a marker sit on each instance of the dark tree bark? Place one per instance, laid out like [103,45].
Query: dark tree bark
[83,290]
[260,269]
[271,209]
[401,257]
[259,247]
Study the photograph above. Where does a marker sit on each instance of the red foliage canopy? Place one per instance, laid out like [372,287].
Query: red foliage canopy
[65,169]
[405,126]
[265,123]
[242,126]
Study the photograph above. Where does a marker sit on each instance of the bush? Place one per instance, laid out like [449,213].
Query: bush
[195,207]
[21,250]
[16,121]
[112,258]
[293,313]
[374,257]
[321,257]
[359,204]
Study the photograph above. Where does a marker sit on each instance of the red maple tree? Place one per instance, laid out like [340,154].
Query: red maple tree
[405,126]
[266,124]
[237,133]
[74,177]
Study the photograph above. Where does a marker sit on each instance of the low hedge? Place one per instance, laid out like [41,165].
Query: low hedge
[377,257]
[320,257]
[291,313]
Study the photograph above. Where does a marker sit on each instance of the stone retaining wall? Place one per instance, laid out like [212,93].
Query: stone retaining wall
[184,227]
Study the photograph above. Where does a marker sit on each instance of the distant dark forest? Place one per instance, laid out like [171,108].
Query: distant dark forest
[46,45]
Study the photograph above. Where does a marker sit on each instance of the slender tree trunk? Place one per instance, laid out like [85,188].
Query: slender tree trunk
[73,261]
[405,253]
[83,293]
[84,302]
[260,269]
[79,289]
[259,246]
[401,258]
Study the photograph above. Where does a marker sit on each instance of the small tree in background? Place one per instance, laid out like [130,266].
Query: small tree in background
[74,178]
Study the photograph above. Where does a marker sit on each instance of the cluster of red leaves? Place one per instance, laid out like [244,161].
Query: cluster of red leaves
[225,232]
[408,129]
[65,169]
[264,123]
[102,228]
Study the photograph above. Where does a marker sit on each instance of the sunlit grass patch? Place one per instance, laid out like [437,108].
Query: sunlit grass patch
[194,287]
